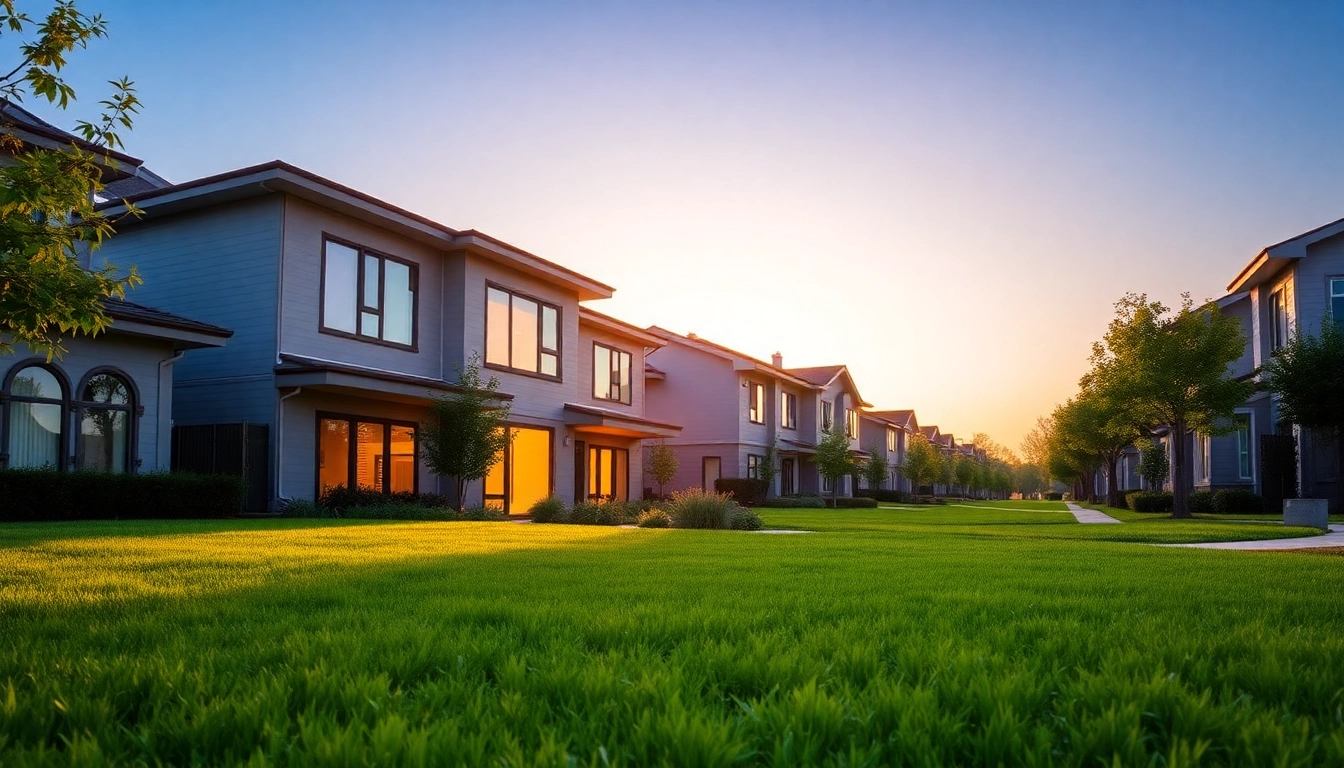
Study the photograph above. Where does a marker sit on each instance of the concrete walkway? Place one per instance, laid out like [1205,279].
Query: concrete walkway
[1335,538]
[1085,515]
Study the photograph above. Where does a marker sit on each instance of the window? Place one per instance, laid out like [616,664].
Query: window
[34,417]
[1337,299]
[1278,320]
[522,476]
[827,420]
[608,473]
[788,473]
[827,484]
[367,295]
[1243,421]
[365,453]
[1202,447]
[851,423]
[611,374]
[756,407]
[788,409]
[891,441]
[521,333]
[104,440]
[754,463]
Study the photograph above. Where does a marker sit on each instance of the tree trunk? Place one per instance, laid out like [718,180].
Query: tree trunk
[1112,487]
[461,493]
[1180,478]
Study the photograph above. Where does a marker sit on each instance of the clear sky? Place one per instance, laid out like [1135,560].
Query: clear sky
[947,197]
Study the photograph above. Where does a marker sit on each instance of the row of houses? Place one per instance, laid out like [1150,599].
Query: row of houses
[1297,283]
[293,329]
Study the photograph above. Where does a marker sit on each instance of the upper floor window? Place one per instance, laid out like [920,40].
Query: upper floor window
[827,415]
[521,333]
[368,295]
[611,374]
[1278,319]
[851,423]
[756,406]
[1337,299]
[788,410]
[891,441]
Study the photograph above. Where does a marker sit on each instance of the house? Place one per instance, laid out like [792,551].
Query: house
[351,313]
[1295,284]
[885,438]
[908,425]
[837,398]
[106,404]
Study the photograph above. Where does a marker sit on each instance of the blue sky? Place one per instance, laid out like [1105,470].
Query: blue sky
[948,197]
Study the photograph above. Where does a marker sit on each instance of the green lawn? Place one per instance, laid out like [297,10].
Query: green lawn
[931,636]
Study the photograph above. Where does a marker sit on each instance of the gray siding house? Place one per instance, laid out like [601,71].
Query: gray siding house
[350,313]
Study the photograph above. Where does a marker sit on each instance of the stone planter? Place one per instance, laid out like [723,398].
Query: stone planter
[1312,513]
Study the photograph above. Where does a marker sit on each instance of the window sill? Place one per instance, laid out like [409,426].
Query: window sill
[413,348]
[521,372]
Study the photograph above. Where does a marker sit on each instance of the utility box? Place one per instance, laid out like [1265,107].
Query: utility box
[1311,513]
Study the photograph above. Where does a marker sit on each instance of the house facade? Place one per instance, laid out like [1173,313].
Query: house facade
[885,438]
[351,314]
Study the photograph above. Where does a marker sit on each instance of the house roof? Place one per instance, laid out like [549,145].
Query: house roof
[185,333]
[823,375]
[620,327]
[301,371]
[899,418]
[931,432]
[589,418]
[1274,258]
[33,130]
[741,361]
[278,176]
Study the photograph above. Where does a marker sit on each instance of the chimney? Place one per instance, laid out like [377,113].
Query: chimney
[777,360]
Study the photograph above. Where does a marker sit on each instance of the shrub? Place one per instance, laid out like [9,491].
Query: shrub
[697,508]
[747,491]
[848,502]
[343,497]
[743,519]
[48,494]
[549,510]
[599,512]
[1052,496]
[303,508]
[885,494]
[796,501]
[478,514]
[398,511]
[1129,499]
[1153,502]
[654,518]
[1201,502]
[1237,501]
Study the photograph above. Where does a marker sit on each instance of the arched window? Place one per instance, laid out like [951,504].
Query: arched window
[35,416]
[106,405]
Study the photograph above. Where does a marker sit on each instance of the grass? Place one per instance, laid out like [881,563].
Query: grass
[932,636]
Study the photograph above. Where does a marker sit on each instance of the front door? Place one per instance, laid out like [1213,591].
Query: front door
[788,471]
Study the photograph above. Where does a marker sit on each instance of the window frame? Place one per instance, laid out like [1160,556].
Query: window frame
[1249,453]
[827,415]
[595,451]
[754,462]
[352,453]
[788,409]
[628,390]
[362,252]
[755,402]
[133,409]
[1330,282]
[1278,325]
[65,401]
[891,440]
[851,423]
[542,304]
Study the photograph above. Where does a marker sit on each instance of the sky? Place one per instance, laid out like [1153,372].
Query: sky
[946,197]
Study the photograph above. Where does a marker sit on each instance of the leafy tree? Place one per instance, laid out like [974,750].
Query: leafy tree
[965,469]
[833,458]
[1153,465]
[994,450]
[769,466]
[1036,448]
[1308,376]
[922,462]
[874,468]
[1097,424]
[467,432]
[47,208]
[1028,479]
[662,464]
[1171,368]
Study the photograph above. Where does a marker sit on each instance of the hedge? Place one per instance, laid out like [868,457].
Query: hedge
[885,494]
[48,494]
[747,491]
[852,502]
[1237,501]
[1052,496]
[1151,501]
[1201,502]
[344,497]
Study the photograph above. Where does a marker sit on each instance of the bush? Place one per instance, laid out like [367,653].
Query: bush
[749,492]
[848,502]
[1201,502]
[654,518]
[303,508]
[1129,499]
[478,514]
[1237,501]
[398,511]
[49,494]
[1052,496]
[696,508]
[600,512]
[549,510]
[343,497]
[1152,502]
[884,494]
[797,502]
[743,519]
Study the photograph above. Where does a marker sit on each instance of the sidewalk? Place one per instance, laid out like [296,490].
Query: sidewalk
[1085,515]
[1335,538]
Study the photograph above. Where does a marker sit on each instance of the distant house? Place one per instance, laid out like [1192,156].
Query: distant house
[839,405]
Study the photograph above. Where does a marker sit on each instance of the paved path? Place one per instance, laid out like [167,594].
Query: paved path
[1085,515]
[1335,538]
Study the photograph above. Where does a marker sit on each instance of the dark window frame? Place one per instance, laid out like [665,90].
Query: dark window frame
[360,308]
[628,391]
[1332,297]
[66,402]
[755,402]
[754,462]
[851,423]
[352,453]
[134,410]
[558,351]
[1278,326]
[827,415]
[788,410]
[507,468]
[595,450]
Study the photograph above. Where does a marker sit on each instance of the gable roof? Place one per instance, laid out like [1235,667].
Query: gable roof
[901,419]
[33,130]
[619,327]
[278,176]
[823,375]
[140,320]
[740,361]
[930,432]
[1273,258]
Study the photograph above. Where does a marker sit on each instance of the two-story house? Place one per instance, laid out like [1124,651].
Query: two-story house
[839,406]
[884,438]
[351,313]
[906,425]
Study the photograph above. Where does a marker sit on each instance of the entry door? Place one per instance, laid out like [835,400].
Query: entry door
[580,471]
[709,471]
[788,471]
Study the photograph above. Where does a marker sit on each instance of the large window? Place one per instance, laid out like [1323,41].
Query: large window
[34,417]
[521,333]
[827,415]
[522,476]
[851,423]
[754,463]
[891,441]
[611,374]
[1337,299]
[788,409]
[608,473]
[365,453]
[367,295]
[788,476]
[1278,319]
[756,406]
[105,408]
[1244,470]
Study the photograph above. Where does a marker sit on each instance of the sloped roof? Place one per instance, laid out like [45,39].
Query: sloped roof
[821,375]
[119,309]
[900,418]
[36,131]
[694,341]
[1273,258]
[930,432]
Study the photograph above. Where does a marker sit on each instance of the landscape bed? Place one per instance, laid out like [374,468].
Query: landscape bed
[958,635]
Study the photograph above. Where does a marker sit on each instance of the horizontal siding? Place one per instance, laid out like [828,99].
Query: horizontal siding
[700,392]
[590,335]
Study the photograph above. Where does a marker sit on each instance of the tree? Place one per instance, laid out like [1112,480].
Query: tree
[833,458]
[922,462]
[874,468]
[1308,376]
[1036,448]
[1094,423]
[1153,465]
[1171,369]
[47,207]
[467,431]
[662,464]
[769,466]
[964,468]
[993,449]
